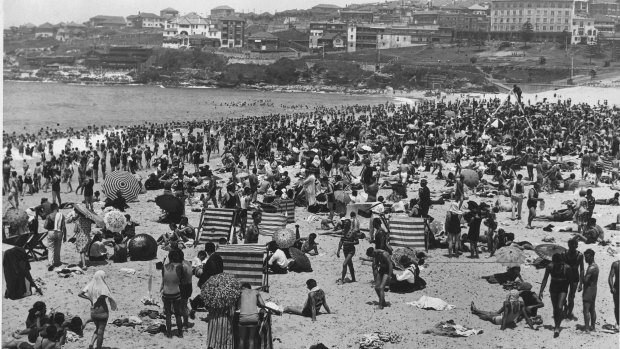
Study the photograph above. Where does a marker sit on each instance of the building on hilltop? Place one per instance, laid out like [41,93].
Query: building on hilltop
[45,30]
[221,12]
[356,16]
[583,31]
[325,11]
[365,37]
[189,24]
[168,13]
[147,20]
[107,21]
[263,41]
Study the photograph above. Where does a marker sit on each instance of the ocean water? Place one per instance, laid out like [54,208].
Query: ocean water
[30,106]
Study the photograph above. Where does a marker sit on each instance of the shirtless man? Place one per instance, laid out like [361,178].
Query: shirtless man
[314,302]
[574,259]
[508,314]
[382,269]
[589,292]
[248,305]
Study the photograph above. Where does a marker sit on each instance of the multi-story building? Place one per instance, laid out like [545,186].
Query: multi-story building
[424,17]
[325,11]
[221,12]
[604,24]
[605,8]
[319,29]
[465,25]
[108,21]
[583,30]
[147,20]
[364,37]
[550,19]
[233,31]
[45,30]
[356,16]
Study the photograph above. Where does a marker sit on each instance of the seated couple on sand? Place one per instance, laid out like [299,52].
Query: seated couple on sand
[511,311]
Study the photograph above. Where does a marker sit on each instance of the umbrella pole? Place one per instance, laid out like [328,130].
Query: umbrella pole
[202,213]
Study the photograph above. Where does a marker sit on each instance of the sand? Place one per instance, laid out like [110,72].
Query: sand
[457,281]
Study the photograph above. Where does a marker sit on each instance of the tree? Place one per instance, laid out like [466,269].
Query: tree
[592,74]
[593,51]
[527,32]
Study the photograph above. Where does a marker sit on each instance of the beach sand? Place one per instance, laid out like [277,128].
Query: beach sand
[457,281]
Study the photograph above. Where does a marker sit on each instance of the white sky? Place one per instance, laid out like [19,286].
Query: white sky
[17,12]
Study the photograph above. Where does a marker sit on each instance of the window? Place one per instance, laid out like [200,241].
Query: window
[544,20]
[529,12]
[566,13]
[351,37]
[552,13]
[551,20]
[519,20]
[544,27]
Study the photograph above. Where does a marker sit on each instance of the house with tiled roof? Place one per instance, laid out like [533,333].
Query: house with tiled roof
[189,24]
[221,12]
[148,20]
[262,41]
[45,30]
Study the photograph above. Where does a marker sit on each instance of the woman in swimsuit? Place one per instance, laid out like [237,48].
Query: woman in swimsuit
[558,288]
[347,244]
[97,291]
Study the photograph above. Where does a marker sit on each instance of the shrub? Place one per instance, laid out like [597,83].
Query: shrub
[542,60]
[473,60]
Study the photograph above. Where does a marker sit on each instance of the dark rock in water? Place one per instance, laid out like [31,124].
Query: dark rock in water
[142,247]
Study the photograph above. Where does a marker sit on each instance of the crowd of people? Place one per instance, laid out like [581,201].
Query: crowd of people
[395,145]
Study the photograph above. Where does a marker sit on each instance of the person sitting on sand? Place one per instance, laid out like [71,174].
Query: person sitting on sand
[120,250]
[508,314]
[316,299]
[592,233]
[97,251]
[118,203]
[409,280]
[310,246]
[278,262]
[47,339]
[531,301]
[382,271]
[511,274]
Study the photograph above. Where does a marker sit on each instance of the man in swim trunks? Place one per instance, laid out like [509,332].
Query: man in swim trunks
[382,269]
[574,259]
[316,300]
[589,292]
[248,305]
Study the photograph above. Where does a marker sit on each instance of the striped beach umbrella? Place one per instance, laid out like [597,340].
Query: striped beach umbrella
[122,181]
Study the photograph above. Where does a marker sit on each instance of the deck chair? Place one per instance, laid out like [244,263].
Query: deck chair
[270,223]
[408,232]
[246,263]
[214,224]
[263,339]
[35,247]
[17,240]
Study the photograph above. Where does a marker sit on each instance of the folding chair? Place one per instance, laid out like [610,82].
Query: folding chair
[17,240]
[215,223]
[34,244]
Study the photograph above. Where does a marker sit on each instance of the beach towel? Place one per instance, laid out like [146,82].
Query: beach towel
[407,232]
[451,329]
[426,302]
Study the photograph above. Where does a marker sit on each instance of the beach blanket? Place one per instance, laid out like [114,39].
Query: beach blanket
[216,224]
[426,302]
[270,223]
[378,339]
[407,232]
[451,329]
[245,262]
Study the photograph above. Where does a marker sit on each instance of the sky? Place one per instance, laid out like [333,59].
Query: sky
[17,12]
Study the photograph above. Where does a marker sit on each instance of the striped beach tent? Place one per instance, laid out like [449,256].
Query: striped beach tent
[215,223]
[607,163]
[270,223]
[245,262]
[407,232]
[287,206]
[428,153]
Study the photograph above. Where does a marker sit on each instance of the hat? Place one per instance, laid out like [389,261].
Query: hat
[423,181]
[526,286]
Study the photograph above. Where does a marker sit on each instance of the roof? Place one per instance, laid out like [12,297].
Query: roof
[232,18]
[169,9]
[46,25]
[478,7]
[109,19]
[29,25]
[190,18]
[356,12]
[330,6]
[77,25]
[291,35]
[223,7]
[263,36]
[148,15]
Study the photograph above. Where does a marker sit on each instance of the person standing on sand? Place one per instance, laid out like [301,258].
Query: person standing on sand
[558,288]
[532,203]
[13,190]
[56,187]
[347,244]
[172,276]
[574,259]
[56,236]
[382,268]
[614,282]
[589,292]
[186,288]
[248,304]
[97,291]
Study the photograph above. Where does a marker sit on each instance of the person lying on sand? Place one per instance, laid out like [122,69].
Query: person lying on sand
[508,314]
[611,201]
[316,299]
[564,215]
[511,274]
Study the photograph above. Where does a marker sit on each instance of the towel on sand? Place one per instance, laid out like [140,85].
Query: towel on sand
[450,329]
[426,302]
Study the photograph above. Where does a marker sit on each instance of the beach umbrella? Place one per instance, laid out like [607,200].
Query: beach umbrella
[510,256]
[410,142]
[169,203]
[450,113]
[122,181]
[430,123]
[302,262]
[220,291]
[399,252]
[460,135]
[84,211]
[546,251]
[115,221]
[412,126]
[15,217]
[343,160]
[366,147]
[285,238]
[342,196]
[142,247]
[497,123]
[471,178]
